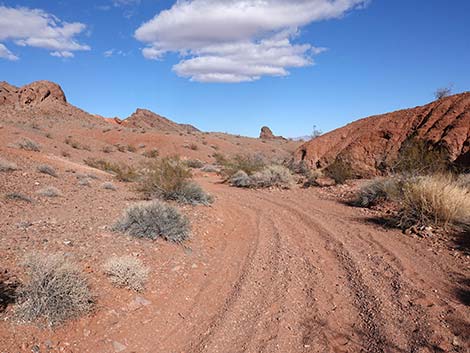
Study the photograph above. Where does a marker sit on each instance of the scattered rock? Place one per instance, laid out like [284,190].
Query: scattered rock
[118,347]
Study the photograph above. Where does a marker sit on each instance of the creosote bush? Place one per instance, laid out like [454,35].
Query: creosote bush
[28,145]
[169,179]
[55,292]
[153,219]
[250,164]
[47,169]
[416,157]
[379,190]
[6,166]
[240,180]
[127,272]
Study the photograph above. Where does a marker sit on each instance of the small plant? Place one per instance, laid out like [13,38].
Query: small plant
[194,163]
[107,149]
[192,194]
[193,146]
[443,92]
[339,171]
[153,153]
[84,182]
[18,196]
[56,290]
[378,190]
[6,166]
[241,180]
[65,154]
[154,219]
[28,145]
[47,169]
[131,149]
[127,271]
[122,172]
[250,164]
[210,168]
[49,191]
[109,186]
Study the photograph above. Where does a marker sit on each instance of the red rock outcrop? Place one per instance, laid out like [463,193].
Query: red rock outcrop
[267,134]
[146,119]
[371,145]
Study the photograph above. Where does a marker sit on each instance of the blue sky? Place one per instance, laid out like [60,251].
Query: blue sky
[332,62]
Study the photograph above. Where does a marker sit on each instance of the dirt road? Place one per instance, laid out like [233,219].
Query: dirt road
[287,271]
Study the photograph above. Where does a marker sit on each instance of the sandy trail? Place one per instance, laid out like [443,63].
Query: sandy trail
[281,271]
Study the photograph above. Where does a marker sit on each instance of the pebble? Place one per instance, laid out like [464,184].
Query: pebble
[118,347]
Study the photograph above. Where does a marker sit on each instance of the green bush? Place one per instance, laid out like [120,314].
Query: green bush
[339,171]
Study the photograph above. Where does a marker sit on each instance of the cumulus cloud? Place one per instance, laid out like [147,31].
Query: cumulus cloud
[36,28]
[5,53]
[237,40]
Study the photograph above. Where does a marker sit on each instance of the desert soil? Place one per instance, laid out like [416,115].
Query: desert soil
[265,271]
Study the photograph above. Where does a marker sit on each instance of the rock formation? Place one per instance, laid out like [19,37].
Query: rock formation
[267,134]
[371,145]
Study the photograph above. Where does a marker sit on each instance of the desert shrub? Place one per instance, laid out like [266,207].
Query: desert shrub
[170,179]
[49,191]
[273,175]
[76,145]
[209,168]
[18,196]
[435,199]
[153,153]
[122,172]
[47,169]
[56,290]
[107,149]
[250,164]
[312,176]
[443,92]
[131,149]
[28,145]
[378,190]
[65,154]
[194,163]
[220,159]
[241,180]
[298,167]
[191,193]
[84,181]
[339,171]
[193,146]
[8,289]
[126,271]
[109,186]
[416,157]
[6,166]
[154,219]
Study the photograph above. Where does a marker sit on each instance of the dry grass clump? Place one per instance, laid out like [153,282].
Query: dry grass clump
[107,149]
[56,290]
[7,166]
[28,145]
[109,186]
[154,219]
[127,271]
[49,191]
[209,168]
[241,180]
[170,179]
[18,196]
[463,180]
[435,199]
[47,169]
[122,172]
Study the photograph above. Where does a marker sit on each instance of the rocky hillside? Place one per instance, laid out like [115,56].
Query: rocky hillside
[372,144]
[146,119]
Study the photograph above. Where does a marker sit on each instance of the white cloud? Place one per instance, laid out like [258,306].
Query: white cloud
[7,54]
[237,40]
[113,52]
[36,28]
